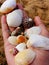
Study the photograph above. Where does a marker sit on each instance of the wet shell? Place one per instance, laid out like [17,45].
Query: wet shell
[38,41]
[25,57]
[14,19]
[21,39]
[32,30]
[21,47]
[12,40]
[8,6]
[16,40]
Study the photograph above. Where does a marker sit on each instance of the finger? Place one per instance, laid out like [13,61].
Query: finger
[25,14]
[39,22]
[20,6]
[4,27]
[7,46]
[9,56]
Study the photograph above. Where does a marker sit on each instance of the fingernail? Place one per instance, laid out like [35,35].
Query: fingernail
[37,17]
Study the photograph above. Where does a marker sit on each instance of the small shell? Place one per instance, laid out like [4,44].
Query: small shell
[13,51]
[15,32]
[8,6]
[21,47]
[12,40]
[14,19]
[25,57]
[30,19]
[38,41]
[27,23]
[16,40]
[21,39]
[32,30]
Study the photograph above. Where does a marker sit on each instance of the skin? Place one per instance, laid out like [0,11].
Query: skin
[42,57]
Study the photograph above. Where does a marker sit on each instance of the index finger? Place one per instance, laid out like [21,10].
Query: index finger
[19,6]
[4,27]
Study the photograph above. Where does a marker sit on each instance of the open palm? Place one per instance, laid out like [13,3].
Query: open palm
[42,57]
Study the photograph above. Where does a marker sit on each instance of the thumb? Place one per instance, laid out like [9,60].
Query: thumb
[39,22]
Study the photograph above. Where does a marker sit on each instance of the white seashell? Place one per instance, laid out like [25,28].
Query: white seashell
[38,41]
[25,57]
[14,19]
[21,47]
[8,6]
[32,30]
[30,19]
[12,40]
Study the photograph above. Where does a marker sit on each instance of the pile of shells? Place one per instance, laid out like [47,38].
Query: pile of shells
[24,36]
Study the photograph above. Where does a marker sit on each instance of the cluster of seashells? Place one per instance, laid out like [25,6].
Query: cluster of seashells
[24,36]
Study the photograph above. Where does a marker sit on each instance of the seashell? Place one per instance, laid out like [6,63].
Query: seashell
[32,30]
[25,57]
[38,41]
[12,40]
[13,51]
[28,22]
[16,40]
[30,19]
[21,47]
[21,39]
[8,6]
[17,31]
[14,19]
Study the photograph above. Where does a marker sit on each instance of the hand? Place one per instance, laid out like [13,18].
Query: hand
[42,57]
